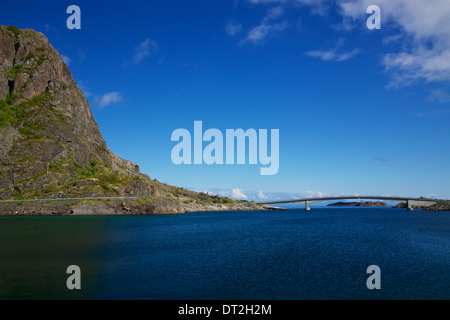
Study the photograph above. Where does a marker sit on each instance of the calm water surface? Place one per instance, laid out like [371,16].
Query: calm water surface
[323,254]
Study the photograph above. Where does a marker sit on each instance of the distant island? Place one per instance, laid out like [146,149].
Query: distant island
[359,204]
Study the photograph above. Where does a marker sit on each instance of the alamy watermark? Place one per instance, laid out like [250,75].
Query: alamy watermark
[74,20]
[374,21]
[235,147]
[74,280]
[374,281]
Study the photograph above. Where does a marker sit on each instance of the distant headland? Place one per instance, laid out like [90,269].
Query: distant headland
[359,204]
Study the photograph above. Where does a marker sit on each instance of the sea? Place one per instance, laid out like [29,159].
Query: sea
[267,255]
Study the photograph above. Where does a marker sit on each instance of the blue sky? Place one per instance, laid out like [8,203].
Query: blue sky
[359,111]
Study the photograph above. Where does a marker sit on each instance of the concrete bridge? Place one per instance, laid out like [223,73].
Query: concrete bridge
[411,202]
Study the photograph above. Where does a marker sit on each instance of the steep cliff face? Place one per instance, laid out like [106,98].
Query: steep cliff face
[50,144]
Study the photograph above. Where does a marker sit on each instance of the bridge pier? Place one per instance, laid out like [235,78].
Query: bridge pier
[307,208]
[409,206]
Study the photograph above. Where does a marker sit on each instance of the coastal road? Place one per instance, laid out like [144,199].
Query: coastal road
[68,199]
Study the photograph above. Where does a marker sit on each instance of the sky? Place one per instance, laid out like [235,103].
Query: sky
[358,111]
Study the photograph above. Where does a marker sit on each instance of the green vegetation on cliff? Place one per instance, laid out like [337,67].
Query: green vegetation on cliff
[11,115]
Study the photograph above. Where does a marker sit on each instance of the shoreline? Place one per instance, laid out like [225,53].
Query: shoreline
[64,207]
[139,206]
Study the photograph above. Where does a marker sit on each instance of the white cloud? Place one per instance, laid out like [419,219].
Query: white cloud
[267,1]
[261,195]
[216,191]
[346,24]
[437,196]
[426,24]
[268,26]
[392,39]
[273,14]
[144,50]
[440,96]
[47,28]
[238,194]
[433,112]
[108,99]
[66,59]
[424,33]
[259,33]
[85,89]
[320,7]
[233,28]
[419,64]
[308,195]
[334,54]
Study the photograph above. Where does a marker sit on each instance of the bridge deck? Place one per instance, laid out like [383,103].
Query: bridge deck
[351,198]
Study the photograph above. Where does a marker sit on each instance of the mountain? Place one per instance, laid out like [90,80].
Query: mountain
[50,144]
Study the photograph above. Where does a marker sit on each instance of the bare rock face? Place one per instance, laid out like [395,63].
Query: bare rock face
[138,189]
[49,138]
[442,205]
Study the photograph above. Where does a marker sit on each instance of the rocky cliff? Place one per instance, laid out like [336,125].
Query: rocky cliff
[49,140]
[50,144]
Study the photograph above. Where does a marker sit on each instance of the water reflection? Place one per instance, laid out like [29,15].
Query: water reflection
[36,251]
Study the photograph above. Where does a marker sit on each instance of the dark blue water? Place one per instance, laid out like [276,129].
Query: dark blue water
[323,254]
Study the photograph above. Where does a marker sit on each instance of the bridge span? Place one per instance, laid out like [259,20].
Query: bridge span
[411,202]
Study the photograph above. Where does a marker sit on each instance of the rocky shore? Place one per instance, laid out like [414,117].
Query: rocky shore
[443,205]
[120,207]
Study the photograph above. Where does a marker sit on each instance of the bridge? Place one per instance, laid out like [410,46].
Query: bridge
[410,202]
